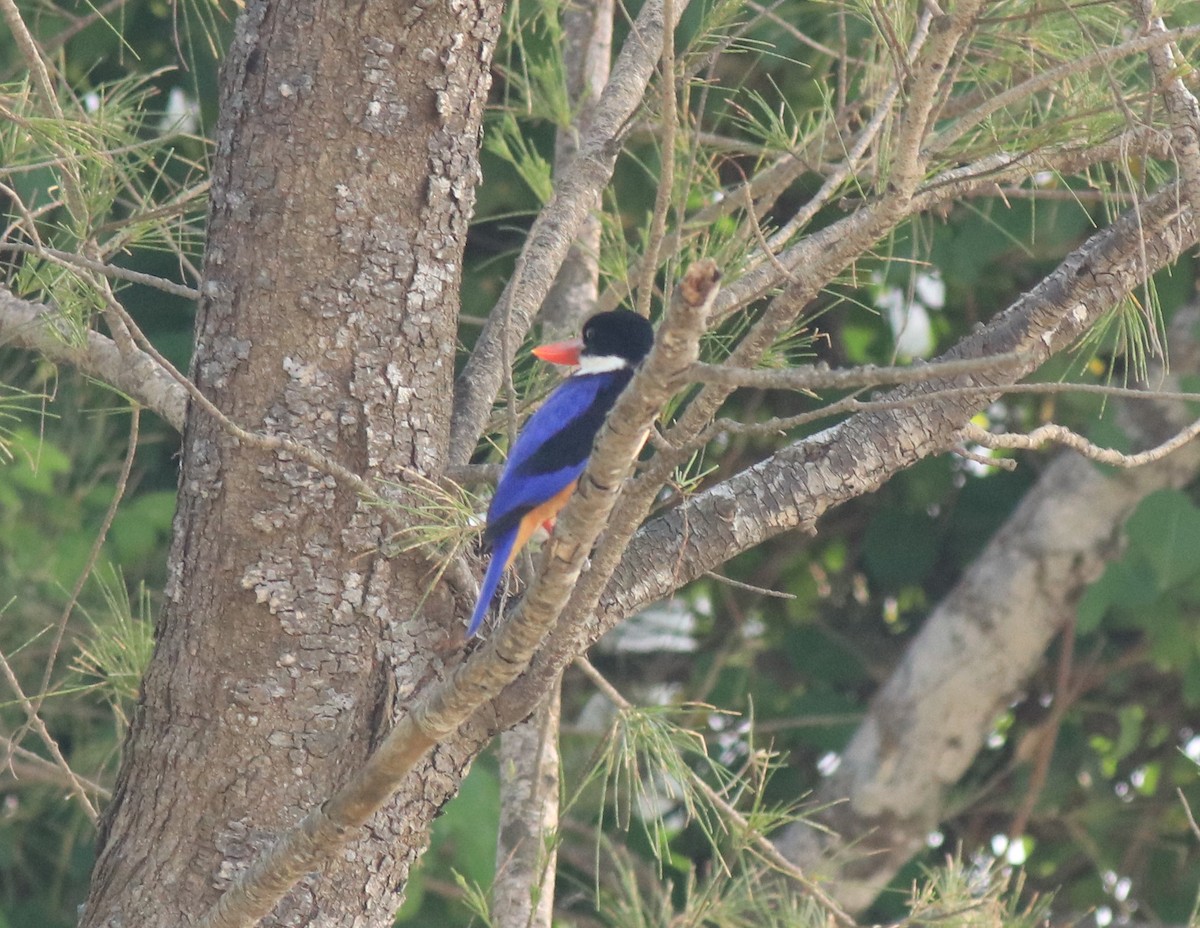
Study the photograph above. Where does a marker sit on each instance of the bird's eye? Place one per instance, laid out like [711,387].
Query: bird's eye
[588,332]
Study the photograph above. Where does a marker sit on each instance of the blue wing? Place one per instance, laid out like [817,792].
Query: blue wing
[549,454]
[501,548]
[552,449]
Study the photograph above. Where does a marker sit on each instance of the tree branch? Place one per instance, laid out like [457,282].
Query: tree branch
[70,259]
[526,843]
[40,328]
[1052,432]
[1182,109]
[820,376]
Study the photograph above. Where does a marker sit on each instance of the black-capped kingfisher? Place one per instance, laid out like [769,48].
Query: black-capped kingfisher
[552,449]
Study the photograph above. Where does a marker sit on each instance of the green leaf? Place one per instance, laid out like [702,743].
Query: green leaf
[1165,533]
[1129,730]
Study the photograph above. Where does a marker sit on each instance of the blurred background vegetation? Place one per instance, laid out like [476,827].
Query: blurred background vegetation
[771,686]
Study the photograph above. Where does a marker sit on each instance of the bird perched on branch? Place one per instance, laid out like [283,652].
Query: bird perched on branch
[552,449]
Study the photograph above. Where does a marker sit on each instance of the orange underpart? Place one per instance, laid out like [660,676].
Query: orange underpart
[545,514]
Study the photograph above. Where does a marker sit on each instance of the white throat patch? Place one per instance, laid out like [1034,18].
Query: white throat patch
[600,365]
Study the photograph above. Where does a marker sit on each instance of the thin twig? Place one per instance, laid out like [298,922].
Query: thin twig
[35,722]
[800,36]
[666,180]
[47,771]
[1061,435]
[68,32]
[1187,810]
[983,460]
[32,55]
[749,587]
[598,680]
[853,404]
[72,260]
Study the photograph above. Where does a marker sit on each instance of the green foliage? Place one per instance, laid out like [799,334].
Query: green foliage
[103,171]
[979,894]
[115,653]
[94,179]
[50,514]
[531,62]
[506,142]
[14,404]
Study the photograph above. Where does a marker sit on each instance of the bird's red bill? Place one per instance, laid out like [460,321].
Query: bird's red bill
[565,353]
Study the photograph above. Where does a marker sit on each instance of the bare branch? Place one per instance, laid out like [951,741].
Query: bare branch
[37,327]
[1058,434]
[24,764]
[1182,108]
[666,178]
[34,721]
[75,26]
[526,854]
[526,845]
[983,393]
[32,55]
[820,376]
[749,587]
[73,260]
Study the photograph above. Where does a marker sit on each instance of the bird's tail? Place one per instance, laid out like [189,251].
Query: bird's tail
[501,551]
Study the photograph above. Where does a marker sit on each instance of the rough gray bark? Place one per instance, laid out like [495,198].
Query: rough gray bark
[343,186]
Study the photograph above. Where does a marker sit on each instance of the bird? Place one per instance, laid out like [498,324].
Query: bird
[552,448]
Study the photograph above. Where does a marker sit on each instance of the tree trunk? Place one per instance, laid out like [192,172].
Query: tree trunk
[344,180]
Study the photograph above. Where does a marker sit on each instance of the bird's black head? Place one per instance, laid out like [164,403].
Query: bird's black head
[617,334]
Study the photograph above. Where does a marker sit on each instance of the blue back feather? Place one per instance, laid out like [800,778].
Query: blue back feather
[550,454]
[560,432]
